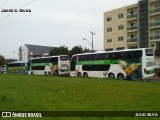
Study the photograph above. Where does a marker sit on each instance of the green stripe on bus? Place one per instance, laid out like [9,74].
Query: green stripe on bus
[97,62]
[15,69]
[40,64]
[10,68]
[150,71]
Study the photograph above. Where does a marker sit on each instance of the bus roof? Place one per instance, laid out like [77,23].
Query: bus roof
[47,57]
[112,51]
[18,62]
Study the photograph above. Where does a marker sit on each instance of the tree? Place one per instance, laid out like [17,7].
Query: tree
[87,50]
[62,50]
[75,50]
[2,60]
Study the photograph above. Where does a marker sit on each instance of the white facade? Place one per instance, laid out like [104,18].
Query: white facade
[24,53]
[31,51]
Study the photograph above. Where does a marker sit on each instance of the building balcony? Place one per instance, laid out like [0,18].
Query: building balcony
[130,28]
[157,52]
[155,37]
[155,23]
[155,10]
[135,39]
[132,16]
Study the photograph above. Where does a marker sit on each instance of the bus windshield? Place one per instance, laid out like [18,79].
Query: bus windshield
[63,58]
[149,52]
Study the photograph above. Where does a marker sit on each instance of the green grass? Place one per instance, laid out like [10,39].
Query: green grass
[44,93]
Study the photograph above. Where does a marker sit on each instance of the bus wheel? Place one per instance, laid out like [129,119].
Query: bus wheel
[111,76]
[49,73]
[31,72]
[45,73]
[120,76]
[79,75]
[85,75]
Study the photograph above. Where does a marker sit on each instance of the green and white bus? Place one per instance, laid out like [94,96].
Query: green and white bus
[52,65]
[17,67]
[124,64]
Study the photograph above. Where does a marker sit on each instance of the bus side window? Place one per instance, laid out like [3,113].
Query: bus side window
[117,55]
[107,56]
[139,53]
[107,67]
[122,55]
[96,57]
[127,55]
[81,57]
[88,57]
[113,56]
[101,56]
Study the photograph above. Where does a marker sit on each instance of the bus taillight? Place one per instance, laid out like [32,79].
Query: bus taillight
[144,70]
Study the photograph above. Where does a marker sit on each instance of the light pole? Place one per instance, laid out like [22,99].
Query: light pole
[91,44]
[92,33]
[88,42]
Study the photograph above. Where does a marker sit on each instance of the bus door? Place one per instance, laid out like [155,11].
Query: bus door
[73,67]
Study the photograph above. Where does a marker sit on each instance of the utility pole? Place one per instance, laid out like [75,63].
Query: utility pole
[92,33]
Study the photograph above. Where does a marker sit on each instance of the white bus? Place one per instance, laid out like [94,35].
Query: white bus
[17,67]
[124,64]
[52,65]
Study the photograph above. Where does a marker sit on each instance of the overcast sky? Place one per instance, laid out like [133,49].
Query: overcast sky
[53,23]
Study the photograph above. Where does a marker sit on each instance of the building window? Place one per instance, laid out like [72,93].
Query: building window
[133,24]
[109,40]
[158,45]
[109,49]
[132,47]
[109,18]
[109,29]
[132,36]
[120,38]
[120,27]
[157,18]
[157,5]
[152,45]
[120,16]
[131,12]
[157,32]
[120,48]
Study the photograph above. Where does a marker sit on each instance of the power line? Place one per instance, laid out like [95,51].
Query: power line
[3,3]
[13,12]
[6,17]
[27,3]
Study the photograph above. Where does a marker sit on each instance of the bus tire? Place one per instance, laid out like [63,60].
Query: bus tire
[79,74]
[111,76]
[31,72]
[49,73]
[85,75]
[45,73]
[120,76]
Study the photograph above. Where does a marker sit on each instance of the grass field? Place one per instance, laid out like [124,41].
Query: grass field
[44,93]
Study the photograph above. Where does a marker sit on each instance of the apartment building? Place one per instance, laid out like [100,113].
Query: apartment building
[133,26]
